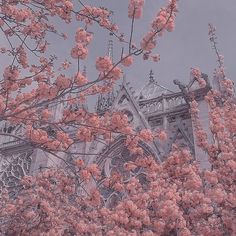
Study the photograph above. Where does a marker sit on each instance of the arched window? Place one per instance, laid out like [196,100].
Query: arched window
[117,156]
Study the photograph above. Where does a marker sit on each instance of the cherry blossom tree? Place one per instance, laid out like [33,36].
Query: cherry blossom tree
[33,84]
[170,198]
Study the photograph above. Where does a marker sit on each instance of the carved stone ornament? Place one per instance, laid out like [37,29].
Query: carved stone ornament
[12,169]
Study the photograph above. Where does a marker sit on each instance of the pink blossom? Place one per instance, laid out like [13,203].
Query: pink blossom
[62,82]
[196,73]
[82,36]
[130,166]
[103,64]
[135,8]
[115,73]
[22,56]
[79,51]
[127,61]
[85,175]
[46,114]
[84,134]
[156,58]
[79,163]
[148,42]
[162,135]
[80,79]
[211,177]
[146,135]
[1,22]
[11,74]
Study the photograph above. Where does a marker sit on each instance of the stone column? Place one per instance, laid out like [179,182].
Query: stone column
[202,156]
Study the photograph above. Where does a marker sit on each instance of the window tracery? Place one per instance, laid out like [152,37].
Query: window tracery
[12,169]
[115,166]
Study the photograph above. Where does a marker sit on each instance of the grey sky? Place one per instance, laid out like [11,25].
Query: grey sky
[188,46]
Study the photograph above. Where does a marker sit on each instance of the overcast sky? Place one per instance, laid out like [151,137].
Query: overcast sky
[188,46]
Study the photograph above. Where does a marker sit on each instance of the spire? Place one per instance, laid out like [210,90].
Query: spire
[105,101]
[153,89]
[124,79]
[151,76]
[84,73]
[110,41]
[110,48]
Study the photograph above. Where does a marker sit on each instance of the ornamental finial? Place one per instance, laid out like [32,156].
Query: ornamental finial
[151,76]
[84,71]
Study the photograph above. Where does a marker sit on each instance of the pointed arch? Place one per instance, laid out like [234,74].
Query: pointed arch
[113,158]
[118,146]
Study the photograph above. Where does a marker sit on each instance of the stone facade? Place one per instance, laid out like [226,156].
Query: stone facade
[154,107]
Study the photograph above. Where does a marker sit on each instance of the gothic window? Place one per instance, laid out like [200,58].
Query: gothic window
[8,129]
[181,137]
[116,165]
[155,121]
[51,132]
[12,169]
[129,115]
[124,100]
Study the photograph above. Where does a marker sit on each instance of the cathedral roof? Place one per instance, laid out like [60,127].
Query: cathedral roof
[152,89]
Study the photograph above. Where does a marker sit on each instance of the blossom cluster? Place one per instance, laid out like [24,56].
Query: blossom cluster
[82,39]
[164,20]
[135,9]
[97,14]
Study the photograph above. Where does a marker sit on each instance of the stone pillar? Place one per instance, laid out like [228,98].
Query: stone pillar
[200,155]
[42,159]
[165,107]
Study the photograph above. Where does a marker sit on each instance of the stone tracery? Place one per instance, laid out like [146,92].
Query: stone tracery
[12,168]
